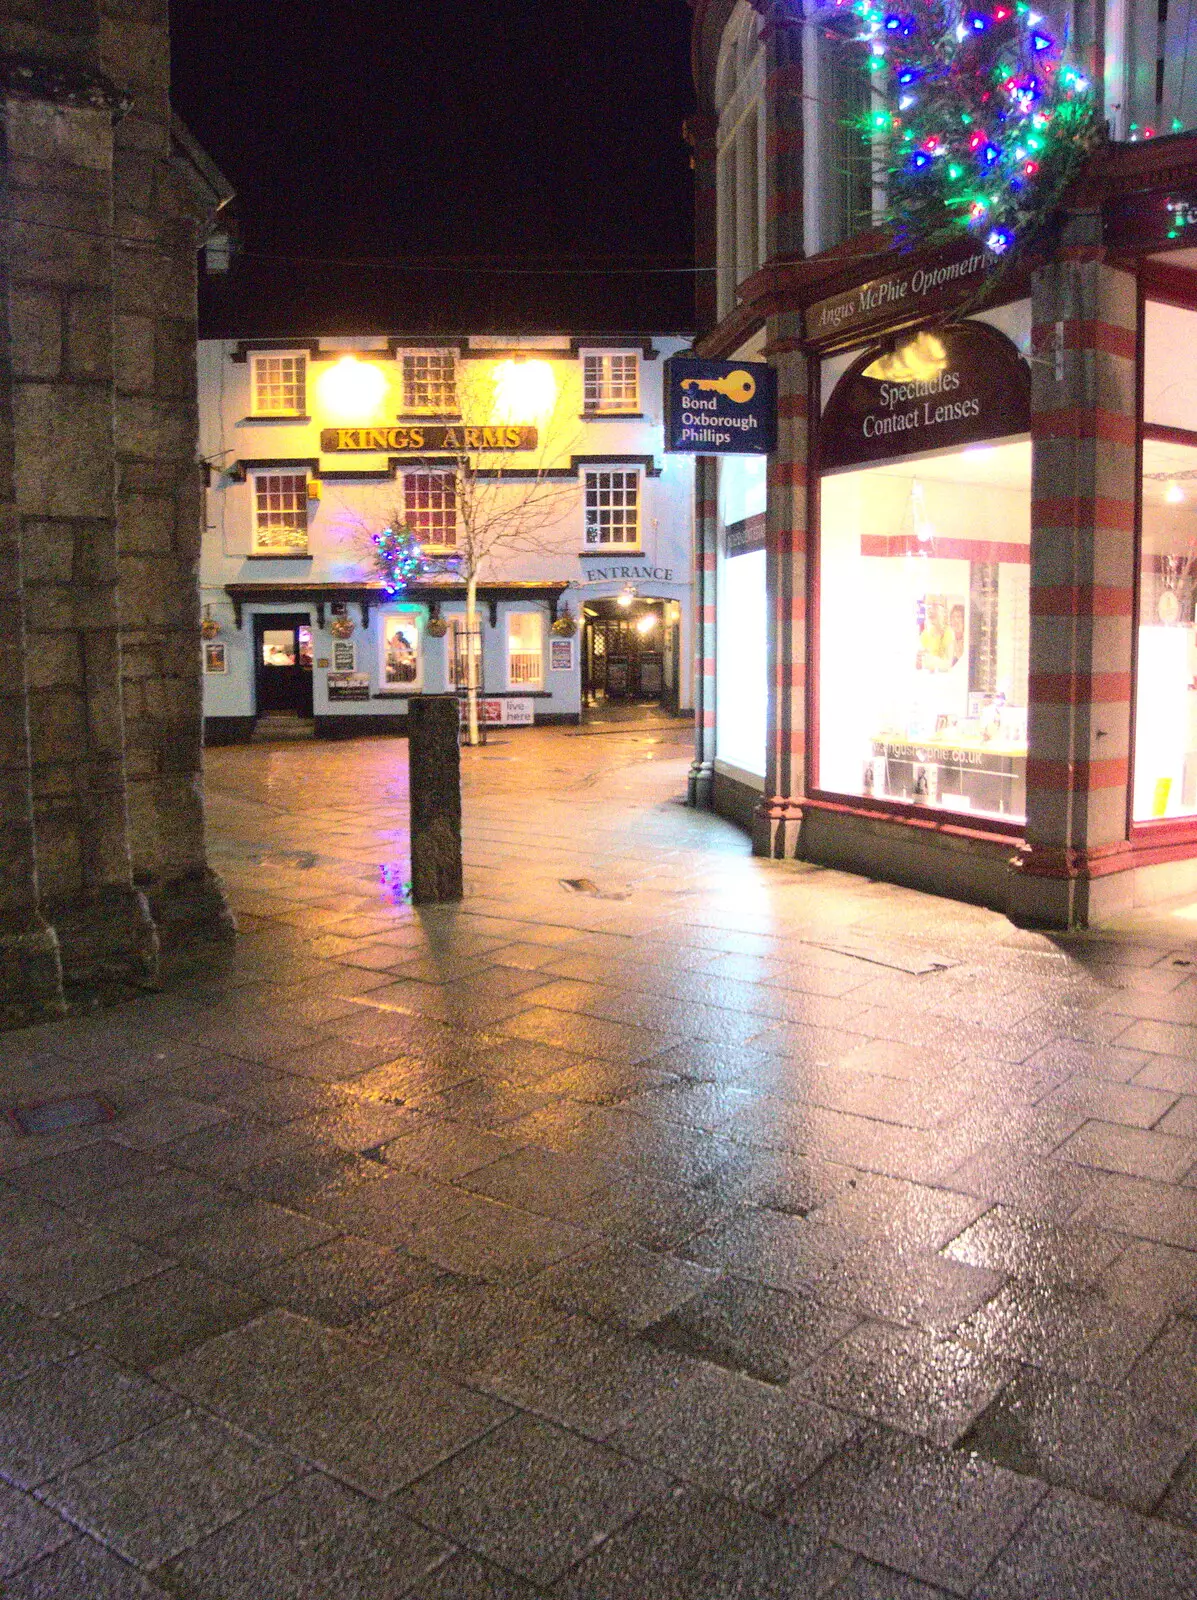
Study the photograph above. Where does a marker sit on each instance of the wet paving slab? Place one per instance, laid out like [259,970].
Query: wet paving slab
[659,1221]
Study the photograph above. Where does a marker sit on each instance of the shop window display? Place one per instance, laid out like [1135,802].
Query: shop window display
[1165,770]
[924,587]
[525,650]
[741,670]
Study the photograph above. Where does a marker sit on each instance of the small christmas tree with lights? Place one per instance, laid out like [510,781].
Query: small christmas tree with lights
[397,556]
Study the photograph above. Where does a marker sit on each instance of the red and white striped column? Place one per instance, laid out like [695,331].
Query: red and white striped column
[1084,405]
[779,816]
[706,543]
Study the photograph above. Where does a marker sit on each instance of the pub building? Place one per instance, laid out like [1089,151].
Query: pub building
[949,633]
[313,445]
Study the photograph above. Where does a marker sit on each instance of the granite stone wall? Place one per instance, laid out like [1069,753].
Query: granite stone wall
[102,855]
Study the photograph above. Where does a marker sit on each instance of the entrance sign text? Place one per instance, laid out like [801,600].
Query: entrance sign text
[720,408]
[421,437]
[612,574]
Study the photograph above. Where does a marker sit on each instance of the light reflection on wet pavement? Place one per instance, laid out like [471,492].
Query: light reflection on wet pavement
[661,1221]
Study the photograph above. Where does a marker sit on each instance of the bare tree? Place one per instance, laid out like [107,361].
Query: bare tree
[508,503]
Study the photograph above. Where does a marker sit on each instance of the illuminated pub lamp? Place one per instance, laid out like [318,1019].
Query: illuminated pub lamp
[352,391]
[525,391]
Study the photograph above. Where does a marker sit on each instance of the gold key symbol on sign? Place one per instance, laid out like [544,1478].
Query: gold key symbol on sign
[738,386]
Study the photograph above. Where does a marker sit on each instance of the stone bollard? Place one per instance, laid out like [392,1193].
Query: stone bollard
[434,783]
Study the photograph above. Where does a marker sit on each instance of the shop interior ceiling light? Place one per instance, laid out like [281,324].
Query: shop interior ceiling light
[991,123]
[924,531]
[1174,494]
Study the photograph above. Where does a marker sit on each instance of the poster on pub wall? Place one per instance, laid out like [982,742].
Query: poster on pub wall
[720,408]
[514,712]
[344,686]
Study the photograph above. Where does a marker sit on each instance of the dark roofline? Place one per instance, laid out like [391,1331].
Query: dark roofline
[416,339]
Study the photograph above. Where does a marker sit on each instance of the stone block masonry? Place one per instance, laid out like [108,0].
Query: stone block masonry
[102,855]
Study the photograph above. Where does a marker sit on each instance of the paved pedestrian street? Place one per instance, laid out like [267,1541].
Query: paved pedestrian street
[661,1224]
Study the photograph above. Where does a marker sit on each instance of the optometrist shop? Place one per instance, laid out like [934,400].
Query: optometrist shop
[950,635]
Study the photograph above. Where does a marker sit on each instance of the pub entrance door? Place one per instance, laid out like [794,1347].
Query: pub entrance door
[623,651]
[283,663]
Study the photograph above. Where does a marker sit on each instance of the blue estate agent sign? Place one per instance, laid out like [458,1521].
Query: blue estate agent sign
[720,408]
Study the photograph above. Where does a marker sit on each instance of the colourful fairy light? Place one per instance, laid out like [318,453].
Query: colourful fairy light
[972,87]
[397,556]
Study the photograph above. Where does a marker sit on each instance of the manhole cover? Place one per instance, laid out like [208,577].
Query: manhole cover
[57,1115]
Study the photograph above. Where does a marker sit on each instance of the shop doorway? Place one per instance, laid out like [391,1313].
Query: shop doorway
[629,653]
[283,670]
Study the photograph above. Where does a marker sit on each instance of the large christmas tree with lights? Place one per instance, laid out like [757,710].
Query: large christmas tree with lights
[976,118]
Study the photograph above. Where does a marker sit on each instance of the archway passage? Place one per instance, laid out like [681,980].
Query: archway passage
[630,654]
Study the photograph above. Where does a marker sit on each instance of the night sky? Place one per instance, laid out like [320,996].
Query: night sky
[525,132]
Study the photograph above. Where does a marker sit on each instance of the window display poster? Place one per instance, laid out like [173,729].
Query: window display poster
[348,686]
[940,631]
[215,658]
[344,656]
[561,655]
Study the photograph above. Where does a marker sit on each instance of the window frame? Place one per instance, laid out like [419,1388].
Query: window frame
[415,616]
[602,405]
[431,352]
[958,824]
[524,685]
[278,552]
[411,514]
[1153,839]
[258,358]
[741,242]
[628,472]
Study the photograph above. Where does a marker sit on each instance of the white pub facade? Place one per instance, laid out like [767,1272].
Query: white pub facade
[547,450]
